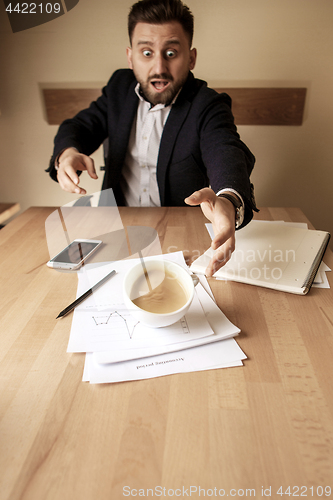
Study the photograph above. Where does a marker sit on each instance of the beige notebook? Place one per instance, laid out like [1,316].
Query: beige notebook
[273,255]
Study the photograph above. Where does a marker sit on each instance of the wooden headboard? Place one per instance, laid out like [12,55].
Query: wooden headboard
[250,106]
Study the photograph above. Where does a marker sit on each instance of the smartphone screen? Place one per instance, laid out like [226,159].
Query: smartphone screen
[76,252]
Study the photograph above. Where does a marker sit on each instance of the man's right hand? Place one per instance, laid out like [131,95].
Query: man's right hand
[70,161]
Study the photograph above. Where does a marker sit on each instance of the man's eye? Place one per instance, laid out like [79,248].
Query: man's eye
[147,53]
[170,53]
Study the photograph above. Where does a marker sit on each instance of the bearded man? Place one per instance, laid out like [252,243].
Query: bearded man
[172,140]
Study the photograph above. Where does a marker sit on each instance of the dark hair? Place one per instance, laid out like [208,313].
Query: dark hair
[160,12]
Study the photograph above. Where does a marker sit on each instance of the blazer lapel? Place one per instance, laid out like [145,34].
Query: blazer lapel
[119,143]
[125,122]
[174,123]
[171,130]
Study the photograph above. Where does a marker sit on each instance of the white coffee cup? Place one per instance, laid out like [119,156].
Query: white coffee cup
[156,269]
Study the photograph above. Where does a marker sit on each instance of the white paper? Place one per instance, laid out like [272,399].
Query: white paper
[201,341]
[225,353]
[209,225]
[321,280]
[103,323]
[219,323]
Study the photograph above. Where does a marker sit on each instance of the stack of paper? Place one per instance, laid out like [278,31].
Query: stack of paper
[119,348]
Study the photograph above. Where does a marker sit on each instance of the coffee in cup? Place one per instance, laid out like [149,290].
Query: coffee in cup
[168,296]
[158,292]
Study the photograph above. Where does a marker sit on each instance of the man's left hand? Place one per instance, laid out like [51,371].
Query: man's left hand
[221,213]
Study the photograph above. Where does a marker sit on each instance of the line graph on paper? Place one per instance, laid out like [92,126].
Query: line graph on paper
[120,325]
[120,321]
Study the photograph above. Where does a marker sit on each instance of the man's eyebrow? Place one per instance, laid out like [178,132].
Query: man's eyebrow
[143,42]
[172,41]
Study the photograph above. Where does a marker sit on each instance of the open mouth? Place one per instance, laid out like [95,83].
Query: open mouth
[160,85]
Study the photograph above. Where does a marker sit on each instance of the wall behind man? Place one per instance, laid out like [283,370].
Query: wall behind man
[245,43]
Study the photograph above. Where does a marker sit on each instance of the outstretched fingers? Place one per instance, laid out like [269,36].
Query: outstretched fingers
[224,245]
[70,162]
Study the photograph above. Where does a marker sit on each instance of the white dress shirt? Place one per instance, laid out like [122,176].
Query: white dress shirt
[138,182]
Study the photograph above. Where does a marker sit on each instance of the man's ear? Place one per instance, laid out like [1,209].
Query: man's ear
[193,58]
[129,57]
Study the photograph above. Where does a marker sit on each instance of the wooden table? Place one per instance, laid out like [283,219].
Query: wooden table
[7,210]
[244,431]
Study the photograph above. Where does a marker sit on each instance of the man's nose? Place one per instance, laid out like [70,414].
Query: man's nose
[160,64]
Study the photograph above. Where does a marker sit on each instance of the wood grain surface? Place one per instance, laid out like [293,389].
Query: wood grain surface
[250,106]
[7,210]
[264,425]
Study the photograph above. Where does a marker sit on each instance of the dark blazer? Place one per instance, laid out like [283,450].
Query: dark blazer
[199,147]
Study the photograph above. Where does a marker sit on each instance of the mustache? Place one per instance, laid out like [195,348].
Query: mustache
[161,76]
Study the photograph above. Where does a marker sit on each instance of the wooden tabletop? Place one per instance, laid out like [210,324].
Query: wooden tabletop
[251,431]
[7,210]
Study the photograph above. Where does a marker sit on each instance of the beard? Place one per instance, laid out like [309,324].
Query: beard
[167,96]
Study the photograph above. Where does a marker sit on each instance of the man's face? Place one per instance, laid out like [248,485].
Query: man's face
[161,58]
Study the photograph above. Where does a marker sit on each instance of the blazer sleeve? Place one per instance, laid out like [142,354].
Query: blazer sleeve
[228,161]
[89,128]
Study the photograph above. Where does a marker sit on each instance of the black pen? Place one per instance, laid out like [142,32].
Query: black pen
[83,297]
